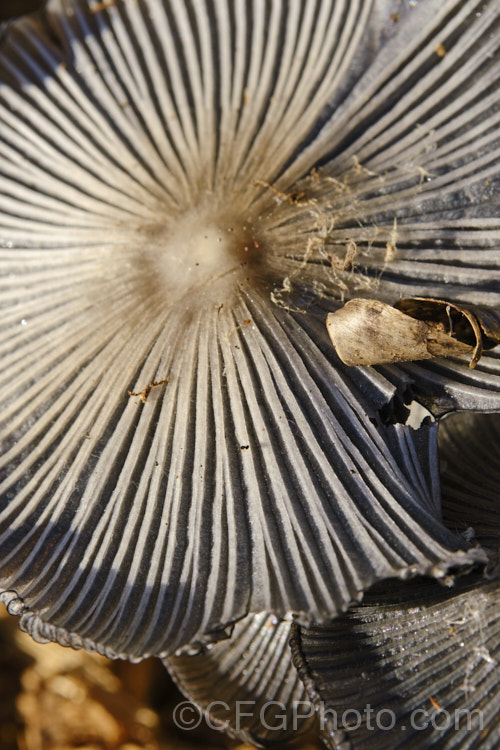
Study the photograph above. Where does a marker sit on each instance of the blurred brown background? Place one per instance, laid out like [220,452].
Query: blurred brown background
[9,8]
[55,698]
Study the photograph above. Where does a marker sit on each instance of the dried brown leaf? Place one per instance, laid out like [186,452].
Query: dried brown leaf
[474,325]
[369,332]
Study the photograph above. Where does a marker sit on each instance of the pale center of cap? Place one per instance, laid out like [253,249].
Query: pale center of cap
[192,254]
[198,253]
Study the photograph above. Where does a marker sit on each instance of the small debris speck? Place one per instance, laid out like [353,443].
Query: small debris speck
[102,6]
[145,391]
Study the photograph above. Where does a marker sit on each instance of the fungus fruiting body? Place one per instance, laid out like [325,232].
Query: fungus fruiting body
[188,190]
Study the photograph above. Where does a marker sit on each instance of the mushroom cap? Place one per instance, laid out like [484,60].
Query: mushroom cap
[259,697]
[181,185]
[428,657]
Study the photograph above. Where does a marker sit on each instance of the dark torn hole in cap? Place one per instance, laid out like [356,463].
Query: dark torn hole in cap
[469,458]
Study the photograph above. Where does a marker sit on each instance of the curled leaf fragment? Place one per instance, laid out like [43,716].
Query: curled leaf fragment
[475,325]
[370,332]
